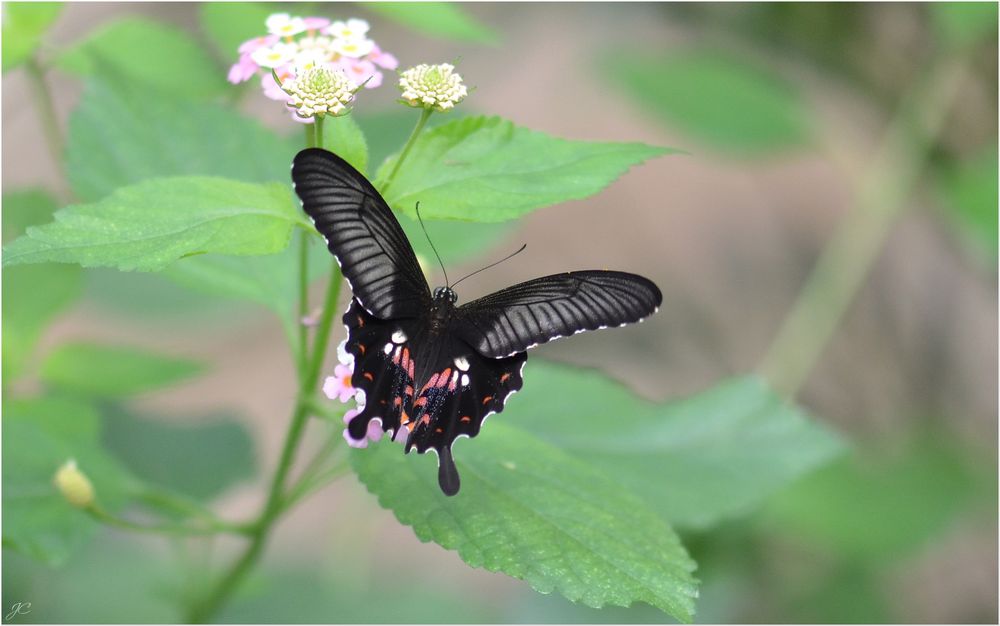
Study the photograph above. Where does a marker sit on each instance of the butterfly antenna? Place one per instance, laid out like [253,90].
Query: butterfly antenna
[441,263]
[509,256]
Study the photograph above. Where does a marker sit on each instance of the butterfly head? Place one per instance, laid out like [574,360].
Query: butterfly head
[445,294]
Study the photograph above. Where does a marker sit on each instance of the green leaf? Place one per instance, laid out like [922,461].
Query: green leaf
[119,136]
[881,506]
[486,169]
[724,102]
[151,224]
[32,296]
[533,512]
[228,24]
[964,23]
[105,371]
[24,23]
[970,191]
[39,435]
[269,280]
[696,460]
[442,20]
[149,54]
[343,136]
[25,208]
[201,457]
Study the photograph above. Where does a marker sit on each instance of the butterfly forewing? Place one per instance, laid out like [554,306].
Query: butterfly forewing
[540,310]
[362,233]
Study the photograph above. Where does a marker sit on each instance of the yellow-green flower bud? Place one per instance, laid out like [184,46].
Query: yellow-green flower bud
[74,485]
[432,87]
[320,91]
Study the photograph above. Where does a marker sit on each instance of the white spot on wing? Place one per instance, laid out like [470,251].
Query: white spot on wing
[465,380]
[399,337]
[462,363]
[387,349]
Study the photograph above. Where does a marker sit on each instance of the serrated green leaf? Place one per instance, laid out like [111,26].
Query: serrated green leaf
[533,512]
[119,136]
[456,240]
[724,102]
[32,296]
[111,372]
[201,457]
[149,54]
[343,136]
[970,191]
[442,20]
[228,24]
[24,23]
[696,460]
[964,23]
[486,169]
[39,435]
[151,224]
[25,208]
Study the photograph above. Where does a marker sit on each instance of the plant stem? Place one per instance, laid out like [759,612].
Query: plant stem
[318,130]
[424,115]
[203,611]
[303,301]
[212,528]
[49,119]
[847,258]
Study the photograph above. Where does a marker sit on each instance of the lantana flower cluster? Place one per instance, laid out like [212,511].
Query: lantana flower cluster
[339,387]
[319,64]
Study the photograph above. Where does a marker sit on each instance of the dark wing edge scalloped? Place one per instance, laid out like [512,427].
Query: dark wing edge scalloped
[525,315]
[387,279]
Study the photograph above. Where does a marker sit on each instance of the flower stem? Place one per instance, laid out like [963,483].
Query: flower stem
[204,610]
[212,527]
[303,300]
[852,250]
[318,125]
[424,115]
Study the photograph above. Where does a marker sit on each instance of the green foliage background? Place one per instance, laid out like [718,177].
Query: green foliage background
[649,511]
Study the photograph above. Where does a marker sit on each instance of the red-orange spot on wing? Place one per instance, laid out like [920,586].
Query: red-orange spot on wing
[466,418]
[426,419]
[487,399]
[504,378]
[361,347]
[369,376]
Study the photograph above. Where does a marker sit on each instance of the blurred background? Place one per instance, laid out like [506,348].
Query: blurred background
[782,110]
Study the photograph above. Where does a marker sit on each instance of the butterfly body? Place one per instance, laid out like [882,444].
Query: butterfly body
[428,369]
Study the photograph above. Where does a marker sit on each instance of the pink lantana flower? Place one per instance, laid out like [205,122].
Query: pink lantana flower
[382,59]
[295,46]
[374,430]
[361,70]
[338,386]
[314,24]
[242,70]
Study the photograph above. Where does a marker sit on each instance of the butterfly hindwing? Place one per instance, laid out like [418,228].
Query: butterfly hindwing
[456,400]
[383,369]
[362,233]
[540,310]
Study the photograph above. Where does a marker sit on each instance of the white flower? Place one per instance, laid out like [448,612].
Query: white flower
[320,91]
[274,56]
[284,25]
[308,59]
[432,86]
[351,29]
[353,48]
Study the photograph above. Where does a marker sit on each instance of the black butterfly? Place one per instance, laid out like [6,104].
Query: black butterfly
[428,367]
